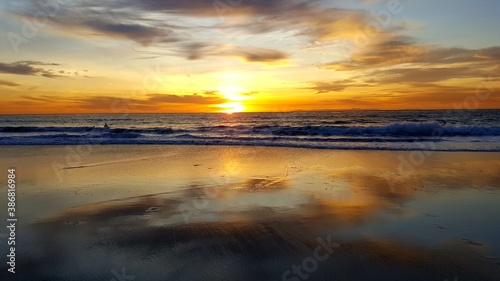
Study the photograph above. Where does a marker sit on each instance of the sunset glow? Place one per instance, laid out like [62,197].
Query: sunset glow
[169,56]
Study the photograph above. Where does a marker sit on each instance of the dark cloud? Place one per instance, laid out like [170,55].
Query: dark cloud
[253,54]
[144,21]
[29,68]
[220,8]
[142,34]
[113,19]
[197,51]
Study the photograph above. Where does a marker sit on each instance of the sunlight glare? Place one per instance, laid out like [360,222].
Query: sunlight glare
[233,93]
[232,107]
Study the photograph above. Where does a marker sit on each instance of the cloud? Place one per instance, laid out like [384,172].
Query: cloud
[142,34]
[253,54]
[43,98]
[392,50]
[187,99]
[92,18]
[29,68]
[337,86]
[198,51]
[388,51]
[113,104]
[220,8]
[422,75]
[310,21]
[393,59]
[492,53]
[334,23]
[8,83]
[428,96]
[439,98]
[152,102]
[148,22]
[211,93]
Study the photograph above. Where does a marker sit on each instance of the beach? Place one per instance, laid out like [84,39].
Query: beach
[181,212]
[250,140]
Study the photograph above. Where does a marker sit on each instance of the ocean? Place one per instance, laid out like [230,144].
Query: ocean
[437,130]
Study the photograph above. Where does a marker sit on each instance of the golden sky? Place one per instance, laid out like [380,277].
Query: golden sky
[146,56]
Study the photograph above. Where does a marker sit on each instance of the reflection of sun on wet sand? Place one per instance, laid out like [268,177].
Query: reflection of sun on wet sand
[240,213]
[260,246]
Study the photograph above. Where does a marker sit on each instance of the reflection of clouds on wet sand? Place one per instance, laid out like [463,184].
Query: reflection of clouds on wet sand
[391,186]
[366,191]
[226,216]
[238,235]
[261,248]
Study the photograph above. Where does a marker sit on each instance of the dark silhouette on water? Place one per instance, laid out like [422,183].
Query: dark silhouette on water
[106,126]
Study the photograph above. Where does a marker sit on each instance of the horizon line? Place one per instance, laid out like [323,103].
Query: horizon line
[247,112]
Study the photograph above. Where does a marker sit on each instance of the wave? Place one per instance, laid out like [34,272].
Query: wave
[394,136]
[23,129]
[395,129]
[402,129]
[309,139]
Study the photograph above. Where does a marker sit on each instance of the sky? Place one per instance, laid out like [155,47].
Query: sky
[147,56]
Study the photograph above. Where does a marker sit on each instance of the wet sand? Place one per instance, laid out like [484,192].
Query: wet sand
[252,213]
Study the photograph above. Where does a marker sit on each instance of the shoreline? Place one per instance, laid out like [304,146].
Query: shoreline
[247,145]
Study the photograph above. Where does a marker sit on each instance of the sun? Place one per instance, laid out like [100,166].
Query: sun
[232,107]
[234,95]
